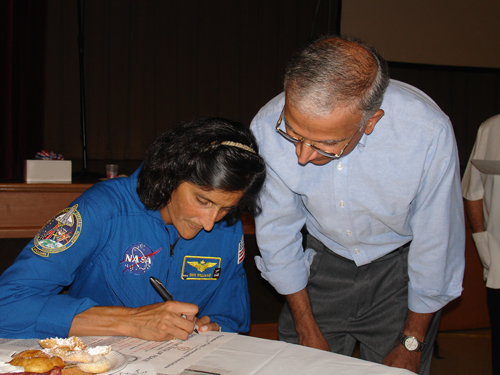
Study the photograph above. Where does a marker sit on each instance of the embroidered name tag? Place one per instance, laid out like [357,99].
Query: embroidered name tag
[200,268]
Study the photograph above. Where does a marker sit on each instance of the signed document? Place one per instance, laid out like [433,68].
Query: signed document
[170,357]
[144,357]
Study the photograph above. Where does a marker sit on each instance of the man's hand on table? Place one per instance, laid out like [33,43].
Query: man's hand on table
[156,322]
[402,358]
[305,324]
[314,340]
[416,325]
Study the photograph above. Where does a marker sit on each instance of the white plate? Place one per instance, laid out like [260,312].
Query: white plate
[117,361]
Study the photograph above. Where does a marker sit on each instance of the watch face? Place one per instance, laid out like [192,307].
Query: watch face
[411,343]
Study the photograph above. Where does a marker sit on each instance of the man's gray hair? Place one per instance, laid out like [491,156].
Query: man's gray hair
[336,72]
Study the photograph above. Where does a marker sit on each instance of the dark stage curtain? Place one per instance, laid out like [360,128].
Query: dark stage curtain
[22,42]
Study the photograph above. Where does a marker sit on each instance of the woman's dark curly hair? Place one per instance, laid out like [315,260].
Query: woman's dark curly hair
[193,153]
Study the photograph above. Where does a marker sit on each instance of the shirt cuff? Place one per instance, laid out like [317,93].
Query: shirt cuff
[57,315]
[481,242]
[431,301]
[291,279]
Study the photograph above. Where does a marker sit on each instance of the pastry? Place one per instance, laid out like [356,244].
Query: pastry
[99,365]
[78,356]
[75,353]
[36,361]
[73,370]
[72,343]
[55,371]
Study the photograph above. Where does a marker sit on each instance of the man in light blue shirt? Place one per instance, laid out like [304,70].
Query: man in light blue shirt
[369,167]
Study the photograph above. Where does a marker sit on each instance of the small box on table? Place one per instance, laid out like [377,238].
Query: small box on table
[40,171]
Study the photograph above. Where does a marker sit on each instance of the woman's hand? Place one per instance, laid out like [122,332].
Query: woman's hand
[156,322]
[204,325]
[164,321]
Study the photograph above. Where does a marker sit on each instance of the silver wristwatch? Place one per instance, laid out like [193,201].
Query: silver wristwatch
[411,343]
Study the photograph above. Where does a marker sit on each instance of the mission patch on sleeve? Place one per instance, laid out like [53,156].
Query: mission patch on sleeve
[59,233]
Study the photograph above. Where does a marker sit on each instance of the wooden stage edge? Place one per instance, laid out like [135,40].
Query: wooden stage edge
[25,208]
[264,330]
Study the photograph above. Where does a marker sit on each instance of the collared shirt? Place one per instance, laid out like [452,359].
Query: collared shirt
[401,183]
[486,186]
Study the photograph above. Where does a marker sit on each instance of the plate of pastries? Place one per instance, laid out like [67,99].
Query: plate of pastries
[68,357]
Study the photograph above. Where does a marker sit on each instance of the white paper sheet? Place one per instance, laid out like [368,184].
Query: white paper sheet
[244,355]
[136,368]
[5,357]
[487,166]
[167,357]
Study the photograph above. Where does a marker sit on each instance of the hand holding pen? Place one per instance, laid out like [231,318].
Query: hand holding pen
[164,293]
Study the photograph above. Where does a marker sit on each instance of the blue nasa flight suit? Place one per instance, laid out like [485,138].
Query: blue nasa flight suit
[105,246]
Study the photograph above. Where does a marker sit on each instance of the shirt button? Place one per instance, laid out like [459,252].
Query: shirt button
[356,251]
[342,204]
[339,166]
[348,232]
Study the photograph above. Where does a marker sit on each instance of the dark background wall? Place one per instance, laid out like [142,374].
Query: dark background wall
[154,63]
[467,95]
[444,32]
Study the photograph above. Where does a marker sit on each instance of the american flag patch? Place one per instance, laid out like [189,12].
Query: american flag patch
[241,250]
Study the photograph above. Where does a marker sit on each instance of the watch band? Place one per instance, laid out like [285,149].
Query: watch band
[411,343]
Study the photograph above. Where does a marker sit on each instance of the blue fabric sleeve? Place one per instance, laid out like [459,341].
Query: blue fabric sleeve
[30,303]
[53,321]
[436,258]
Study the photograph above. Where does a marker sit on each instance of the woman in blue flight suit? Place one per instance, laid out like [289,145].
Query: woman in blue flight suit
[176,218]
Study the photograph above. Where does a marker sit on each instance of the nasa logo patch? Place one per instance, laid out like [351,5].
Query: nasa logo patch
[59,233]
[138,258]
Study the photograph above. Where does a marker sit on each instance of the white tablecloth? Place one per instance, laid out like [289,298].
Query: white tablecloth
[243,355]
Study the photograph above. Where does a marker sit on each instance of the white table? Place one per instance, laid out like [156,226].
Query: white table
[244,355]
[220,354]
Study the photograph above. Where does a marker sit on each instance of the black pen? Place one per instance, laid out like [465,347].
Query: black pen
[160,288]
[163,292]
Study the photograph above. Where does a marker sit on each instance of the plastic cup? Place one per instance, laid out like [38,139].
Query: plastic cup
[112,170]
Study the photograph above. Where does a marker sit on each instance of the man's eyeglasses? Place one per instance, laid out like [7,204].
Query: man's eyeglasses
[322,151]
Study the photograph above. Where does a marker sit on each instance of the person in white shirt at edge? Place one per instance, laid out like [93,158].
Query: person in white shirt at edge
[369,167]
[482,203]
